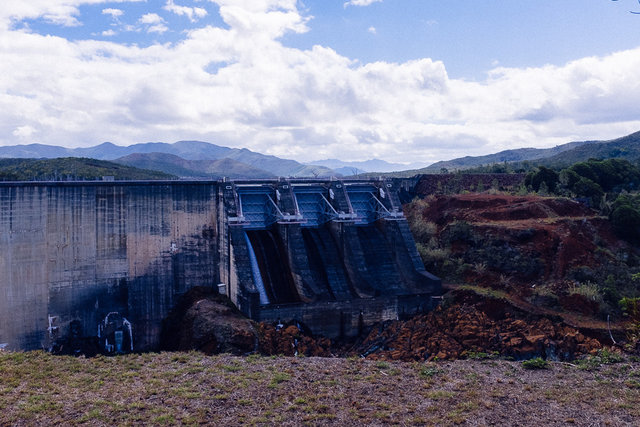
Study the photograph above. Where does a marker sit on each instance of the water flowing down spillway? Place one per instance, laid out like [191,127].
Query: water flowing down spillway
[272,261]
[255,270]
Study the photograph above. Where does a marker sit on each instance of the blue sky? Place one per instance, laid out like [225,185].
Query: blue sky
[401,80]
[470,37]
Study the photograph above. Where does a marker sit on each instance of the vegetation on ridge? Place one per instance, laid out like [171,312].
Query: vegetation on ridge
[72,169]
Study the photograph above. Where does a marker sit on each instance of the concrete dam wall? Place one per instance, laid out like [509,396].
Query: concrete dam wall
[103,263]
[80,251]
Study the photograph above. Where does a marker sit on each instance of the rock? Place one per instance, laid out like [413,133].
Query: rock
[214,328]
[291,341]
[203,320]
[460,329]
[535,339]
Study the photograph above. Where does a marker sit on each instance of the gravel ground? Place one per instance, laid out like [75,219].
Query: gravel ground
[194,389]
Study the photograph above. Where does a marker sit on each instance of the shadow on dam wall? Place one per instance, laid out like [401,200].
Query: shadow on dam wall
[83,263]
[99,265]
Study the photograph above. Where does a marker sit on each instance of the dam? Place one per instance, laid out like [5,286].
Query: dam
[101,264]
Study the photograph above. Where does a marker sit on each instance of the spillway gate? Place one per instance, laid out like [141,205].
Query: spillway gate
[333,254]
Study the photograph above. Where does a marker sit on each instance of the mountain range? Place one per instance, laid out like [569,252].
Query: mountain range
[626,147]
[197,159]
[354,168]
[184,158]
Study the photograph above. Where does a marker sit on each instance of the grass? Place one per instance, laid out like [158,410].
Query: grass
[603,357]
[535,363]
[192,389]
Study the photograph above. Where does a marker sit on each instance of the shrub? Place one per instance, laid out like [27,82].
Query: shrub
[422,230]
[458,231]
[603,357]
[630,307]
[626,220]
[535,363]
[430,371]
[588,290]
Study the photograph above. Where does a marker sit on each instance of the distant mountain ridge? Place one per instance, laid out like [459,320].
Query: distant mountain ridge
[509,156]
[187,150]
[626,147]
[175,165]
[372,165]
[205,160]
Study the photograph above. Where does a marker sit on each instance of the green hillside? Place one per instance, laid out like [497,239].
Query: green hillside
[72,168]
[626,148]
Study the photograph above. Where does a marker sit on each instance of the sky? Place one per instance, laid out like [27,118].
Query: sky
[409,81]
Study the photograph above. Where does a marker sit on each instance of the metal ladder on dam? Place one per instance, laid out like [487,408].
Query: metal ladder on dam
[301,246]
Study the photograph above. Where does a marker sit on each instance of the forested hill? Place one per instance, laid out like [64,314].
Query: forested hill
[627,148]
[72,168]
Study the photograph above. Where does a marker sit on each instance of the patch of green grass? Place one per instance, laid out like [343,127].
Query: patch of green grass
[164,419]
[382,365]
[480,355]
[535,363]
[603,357]
[231,368]
[632,384]
[180,357]
[440,394]
[430,371]
[279,377]
[299,401]
[253,358]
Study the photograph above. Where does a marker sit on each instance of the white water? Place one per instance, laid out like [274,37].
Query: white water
[255,270]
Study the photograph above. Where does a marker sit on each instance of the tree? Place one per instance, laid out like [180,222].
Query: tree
[543,175]
[589,189]
[626,221]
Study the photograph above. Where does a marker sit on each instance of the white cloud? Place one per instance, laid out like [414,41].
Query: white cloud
[61,12]
[361,2]
[113,12]
[372,30]
[154,22]
[242,87]
[193,13]
[159,28]
[24,132]
[108,33]
[151,18]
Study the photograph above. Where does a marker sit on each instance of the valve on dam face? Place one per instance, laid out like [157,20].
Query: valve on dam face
[115,334]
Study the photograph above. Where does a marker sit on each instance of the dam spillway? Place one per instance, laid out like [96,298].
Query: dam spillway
[105,262]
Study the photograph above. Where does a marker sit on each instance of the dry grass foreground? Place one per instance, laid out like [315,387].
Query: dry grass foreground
[194,389]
